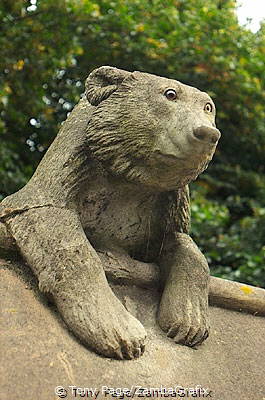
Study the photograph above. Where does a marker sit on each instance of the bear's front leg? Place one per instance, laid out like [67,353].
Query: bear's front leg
[54,245]
[183,311]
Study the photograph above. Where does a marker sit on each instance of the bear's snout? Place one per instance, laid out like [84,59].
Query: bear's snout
[207,134]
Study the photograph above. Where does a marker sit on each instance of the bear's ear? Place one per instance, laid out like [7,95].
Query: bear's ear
[102,82]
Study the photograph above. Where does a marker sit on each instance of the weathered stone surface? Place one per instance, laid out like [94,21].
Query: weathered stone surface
[222,292]
[116,178]
[38,353]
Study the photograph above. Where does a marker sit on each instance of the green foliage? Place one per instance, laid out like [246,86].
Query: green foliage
[48,49]
[234,250]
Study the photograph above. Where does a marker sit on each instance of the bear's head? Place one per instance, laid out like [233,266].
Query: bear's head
[152,130]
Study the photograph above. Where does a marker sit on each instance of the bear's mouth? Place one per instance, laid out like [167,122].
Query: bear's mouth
[169,157]
[188,153]
[190,161]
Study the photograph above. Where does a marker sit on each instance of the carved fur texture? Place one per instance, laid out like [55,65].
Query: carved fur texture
[115,180]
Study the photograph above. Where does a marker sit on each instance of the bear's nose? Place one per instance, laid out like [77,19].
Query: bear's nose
[207,134]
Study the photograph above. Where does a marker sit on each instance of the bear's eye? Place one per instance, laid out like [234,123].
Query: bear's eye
[208,108]
[170,94]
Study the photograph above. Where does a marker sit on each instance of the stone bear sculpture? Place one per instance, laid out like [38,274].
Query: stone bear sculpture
[115,178]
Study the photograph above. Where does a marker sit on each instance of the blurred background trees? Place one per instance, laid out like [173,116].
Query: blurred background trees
[47,49]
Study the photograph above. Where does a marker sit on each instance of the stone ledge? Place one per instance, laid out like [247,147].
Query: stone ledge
[40,354]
